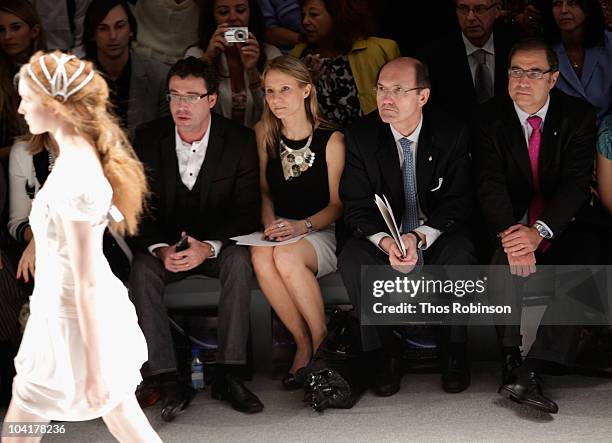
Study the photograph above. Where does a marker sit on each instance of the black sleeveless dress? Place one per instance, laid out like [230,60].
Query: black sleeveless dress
[304,190]
[299,188]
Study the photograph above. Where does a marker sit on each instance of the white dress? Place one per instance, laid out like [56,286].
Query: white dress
[50,364]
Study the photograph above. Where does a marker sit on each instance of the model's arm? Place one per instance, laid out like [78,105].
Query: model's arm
[81,243]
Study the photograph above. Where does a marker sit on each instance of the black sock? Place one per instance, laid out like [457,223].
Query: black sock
[222,370]
[532,365]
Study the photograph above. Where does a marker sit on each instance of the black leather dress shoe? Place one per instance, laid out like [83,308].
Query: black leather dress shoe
[388,377]
[526,389]
[456,369]
[231,389]
[175,399]
[510,362]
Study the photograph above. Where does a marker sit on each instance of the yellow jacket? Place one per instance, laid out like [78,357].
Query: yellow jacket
[365,57]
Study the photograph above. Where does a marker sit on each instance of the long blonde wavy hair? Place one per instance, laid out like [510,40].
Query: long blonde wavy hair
[87,111]
[293,67]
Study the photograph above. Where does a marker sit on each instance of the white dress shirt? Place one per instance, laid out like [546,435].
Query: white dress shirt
[431,234]
[190,157]
[489,48]
[527,131]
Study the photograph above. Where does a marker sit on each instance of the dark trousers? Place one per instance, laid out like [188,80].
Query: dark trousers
[449,249]
[148,280]
[557,343]
[12,299]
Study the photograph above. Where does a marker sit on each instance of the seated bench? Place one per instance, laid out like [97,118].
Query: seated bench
[199,292]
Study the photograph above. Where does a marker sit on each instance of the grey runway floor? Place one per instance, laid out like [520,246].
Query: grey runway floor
[421,411]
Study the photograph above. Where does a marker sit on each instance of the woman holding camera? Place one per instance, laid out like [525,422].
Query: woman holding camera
[343,57]
[301,160]
[238,54]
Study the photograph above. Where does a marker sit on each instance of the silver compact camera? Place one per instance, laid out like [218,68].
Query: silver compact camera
[237,35]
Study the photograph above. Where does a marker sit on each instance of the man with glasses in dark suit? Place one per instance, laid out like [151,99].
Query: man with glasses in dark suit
[418,158]
[204,178]
[469,67]
[534,153]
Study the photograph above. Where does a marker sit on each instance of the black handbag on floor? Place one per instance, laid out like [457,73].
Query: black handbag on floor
[335,378]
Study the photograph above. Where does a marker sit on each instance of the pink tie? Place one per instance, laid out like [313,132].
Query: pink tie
[536,206]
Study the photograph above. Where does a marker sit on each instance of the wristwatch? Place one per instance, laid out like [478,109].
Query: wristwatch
[308,224]
[542,230]
[213,251]
[419,241]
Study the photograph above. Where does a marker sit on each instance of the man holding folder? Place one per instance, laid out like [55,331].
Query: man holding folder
[418,159]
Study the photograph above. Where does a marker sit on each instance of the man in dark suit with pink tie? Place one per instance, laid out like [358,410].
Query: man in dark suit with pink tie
[533,155]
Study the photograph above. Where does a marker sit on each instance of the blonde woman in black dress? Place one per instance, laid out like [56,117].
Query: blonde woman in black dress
[301,161]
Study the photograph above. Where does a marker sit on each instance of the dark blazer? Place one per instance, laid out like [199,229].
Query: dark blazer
[373,167]
[229,181]
[452,85]
[503,170]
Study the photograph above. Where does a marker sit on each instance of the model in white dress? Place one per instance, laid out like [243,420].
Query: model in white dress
[50,365]
[82,349]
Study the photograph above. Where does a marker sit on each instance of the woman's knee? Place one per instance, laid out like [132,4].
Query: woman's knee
[287,260]
[262,259]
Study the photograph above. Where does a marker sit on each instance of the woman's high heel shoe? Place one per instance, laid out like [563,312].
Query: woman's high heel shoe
[292,382]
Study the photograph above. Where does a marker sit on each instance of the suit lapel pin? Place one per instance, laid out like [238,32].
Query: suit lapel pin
[430,158]
[555,133]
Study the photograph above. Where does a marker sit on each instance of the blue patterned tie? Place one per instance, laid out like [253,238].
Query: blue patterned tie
[411,212]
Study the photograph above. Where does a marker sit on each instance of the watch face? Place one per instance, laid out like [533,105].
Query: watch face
[541,230]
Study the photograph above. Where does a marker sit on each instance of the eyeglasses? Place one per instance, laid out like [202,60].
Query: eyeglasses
[477,10]
[190,99]
[532,74]
[395,92]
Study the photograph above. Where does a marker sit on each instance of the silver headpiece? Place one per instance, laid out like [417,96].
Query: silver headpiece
[59,81]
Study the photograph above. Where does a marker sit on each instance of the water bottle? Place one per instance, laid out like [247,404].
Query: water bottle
[197,370]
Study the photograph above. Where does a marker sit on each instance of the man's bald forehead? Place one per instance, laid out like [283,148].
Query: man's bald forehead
[405,65]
